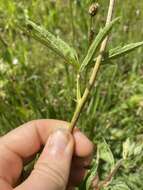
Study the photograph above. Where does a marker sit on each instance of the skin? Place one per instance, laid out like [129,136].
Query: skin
[61,164]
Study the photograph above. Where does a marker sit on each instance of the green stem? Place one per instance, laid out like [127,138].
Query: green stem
[91,32]
[72,19]
[86,93]
[78,90]
[108,179]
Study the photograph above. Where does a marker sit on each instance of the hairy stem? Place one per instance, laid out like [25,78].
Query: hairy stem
[86,93]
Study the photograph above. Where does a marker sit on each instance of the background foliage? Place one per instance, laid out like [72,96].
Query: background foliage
[35,83]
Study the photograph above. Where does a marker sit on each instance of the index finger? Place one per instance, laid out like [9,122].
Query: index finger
[28,138]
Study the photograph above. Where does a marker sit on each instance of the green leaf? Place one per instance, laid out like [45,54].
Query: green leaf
[54,43]
[120,51]
[119,186]
[126,148]
[131,148]
[105,153]
[93,175]
[96,43]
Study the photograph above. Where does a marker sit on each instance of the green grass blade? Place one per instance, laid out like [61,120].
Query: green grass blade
[54,43]
[120,51]
[96,43]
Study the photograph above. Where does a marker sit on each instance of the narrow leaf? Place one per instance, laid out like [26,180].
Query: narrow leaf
[93,173]
[120,51]
[96,43]
[54,43]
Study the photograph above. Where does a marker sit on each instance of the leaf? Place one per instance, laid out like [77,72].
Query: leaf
[120,51]
[134,101]
[126,148]
[54,43]
[105,153]
[138,149]
[93,175]
[131,148]
[96,43]
[119,186]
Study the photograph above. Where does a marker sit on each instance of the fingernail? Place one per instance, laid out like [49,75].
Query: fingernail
[58,142]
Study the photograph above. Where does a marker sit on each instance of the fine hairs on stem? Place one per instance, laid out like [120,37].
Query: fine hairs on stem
[93,76]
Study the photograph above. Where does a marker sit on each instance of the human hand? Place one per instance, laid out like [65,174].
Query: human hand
[61,164]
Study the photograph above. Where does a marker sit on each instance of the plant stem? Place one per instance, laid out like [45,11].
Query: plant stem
[108,179]
[91,32]
[72,20]
[86,93]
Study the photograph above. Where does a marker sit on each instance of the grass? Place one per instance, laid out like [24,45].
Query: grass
[34,82]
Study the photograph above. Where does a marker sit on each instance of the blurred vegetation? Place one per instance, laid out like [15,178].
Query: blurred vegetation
[35,83]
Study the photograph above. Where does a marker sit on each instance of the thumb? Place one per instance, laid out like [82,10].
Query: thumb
[53,167]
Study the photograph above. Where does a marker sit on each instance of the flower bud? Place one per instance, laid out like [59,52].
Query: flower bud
[93,9]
